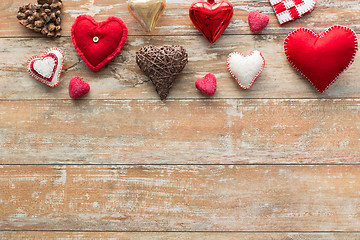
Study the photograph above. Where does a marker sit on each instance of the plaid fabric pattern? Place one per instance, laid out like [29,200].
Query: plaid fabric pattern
[289,10]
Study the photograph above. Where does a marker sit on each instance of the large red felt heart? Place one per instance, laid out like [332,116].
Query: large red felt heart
[211,18]
[98,42]
[321,58]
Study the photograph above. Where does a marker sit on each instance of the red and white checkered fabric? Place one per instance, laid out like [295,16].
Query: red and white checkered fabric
[289,10]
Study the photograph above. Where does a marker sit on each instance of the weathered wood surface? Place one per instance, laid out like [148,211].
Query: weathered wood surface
[178,236]
[176,21]
[122,78]
[282,121]
[180,198]
[180,132]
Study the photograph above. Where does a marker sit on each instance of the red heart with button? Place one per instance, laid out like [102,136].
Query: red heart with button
[98,42]
[47,68]
[289,10]
[321,58]
[211,18]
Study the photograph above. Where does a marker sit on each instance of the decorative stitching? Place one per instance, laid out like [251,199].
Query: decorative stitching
[54,57]
[321,35]
[281,10]
[57,77]
[256,76]
[99,25]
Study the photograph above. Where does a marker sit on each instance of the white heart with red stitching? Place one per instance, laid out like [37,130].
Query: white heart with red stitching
[47,68]
[245,69]
[289,10]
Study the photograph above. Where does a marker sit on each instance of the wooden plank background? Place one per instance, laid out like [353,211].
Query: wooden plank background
[277,161]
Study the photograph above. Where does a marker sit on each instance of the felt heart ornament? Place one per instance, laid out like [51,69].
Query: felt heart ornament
[147,12]
[207,84]
[162,65]
[98,42]
[211,18]
[245,69]
[78,88]
[47,68]
[257,21]
[321,58]
[289,10]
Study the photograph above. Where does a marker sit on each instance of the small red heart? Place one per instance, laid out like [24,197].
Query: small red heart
[78,88]
[321,58]
[98,42]
[257,21]
[211,18]
[207,84]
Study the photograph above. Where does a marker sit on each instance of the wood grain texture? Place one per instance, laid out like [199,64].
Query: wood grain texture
[120,160]
[122,78]
[177,236]
[180,132]
[176,21]
[180,198]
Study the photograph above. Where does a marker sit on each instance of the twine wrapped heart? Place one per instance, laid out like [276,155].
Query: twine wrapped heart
[162,65]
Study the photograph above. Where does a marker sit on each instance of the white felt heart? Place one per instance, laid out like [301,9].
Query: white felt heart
[47,68]
[245,69]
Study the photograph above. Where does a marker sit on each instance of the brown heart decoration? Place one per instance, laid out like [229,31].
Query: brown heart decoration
[162,65]
[43,16]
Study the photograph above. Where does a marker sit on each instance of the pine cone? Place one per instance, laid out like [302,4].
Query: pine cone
[43,16]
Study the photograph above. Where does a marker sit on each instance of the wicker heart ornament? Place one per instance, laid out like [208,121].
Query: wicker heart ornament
[162,65]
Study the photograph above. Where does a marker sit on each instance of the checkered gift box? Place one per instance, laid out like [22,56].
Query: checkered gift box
[289,10]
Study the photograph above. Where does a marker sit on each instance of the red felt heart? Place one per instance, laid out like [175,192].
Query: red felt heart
[257,21]
[78,88]
[207,84]
[321,58]
[98,42]
[211,18]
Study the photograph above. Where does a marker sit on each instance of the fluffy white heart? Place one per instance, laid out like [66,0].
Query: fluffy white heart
[47,68]
[245,69]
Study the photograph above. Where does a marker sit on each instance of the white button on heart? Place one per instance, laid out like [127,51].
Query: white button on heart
[95,39]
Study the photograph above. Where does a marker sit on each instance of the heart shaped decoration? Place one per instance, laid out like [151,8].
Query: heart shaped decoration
[78,88]
[207,84]
[257,21]
[211,18]
[162,65]
[43,16]
[245,69]
[289,10]
[321,58]
[147,12]
[98,42]
[47,68]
